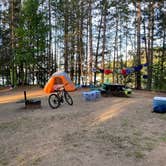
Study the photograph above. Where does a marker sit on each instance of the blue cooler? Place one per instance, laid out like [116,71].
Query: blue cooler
[89,96]
[93,95]
[86,96]
[98,94]
[159,104]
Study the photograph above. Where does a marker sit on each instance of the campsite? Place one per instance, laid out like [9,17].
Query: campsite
[82,83]
[117,130]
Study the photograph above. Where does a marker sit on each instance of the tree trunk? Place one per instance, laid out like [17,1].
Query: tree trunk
[72,59]
[81,40]
[163,59]
[138,60]
[115,59]
[11,11]
[104,42]
[97,48]
[66,49]
[145,40]
[150,44]
[90,42]
[50,38]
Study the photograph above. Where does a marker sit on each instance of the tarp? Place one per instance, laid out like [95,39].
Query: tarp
[59,77]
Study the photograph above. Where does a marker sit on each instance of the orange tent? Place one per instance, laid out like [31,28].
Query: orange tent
[59,78]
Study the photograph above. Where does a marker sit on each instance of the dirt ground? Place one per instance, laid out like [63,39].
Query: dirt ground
[112,131]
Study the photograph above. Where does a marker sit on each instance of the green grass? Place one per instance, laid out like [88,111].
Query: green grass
[163,138]
[13,125]
[125,123]
[139,154]
[162,116]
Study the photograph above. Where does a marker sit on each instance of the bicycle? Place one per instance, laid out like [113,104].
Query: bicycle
[59,97]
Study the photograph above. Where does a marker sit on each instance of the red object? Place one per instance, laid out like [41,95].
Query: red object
[107,71]
[123,71]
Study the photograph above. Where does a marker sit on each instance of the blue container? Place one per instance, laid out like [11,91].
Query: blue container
[97,93]
[159,104]
[90,96]
[86,96]
[93,95]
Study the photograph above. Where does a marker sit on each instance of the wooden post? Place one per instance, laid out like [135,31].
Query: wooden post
[31,103]
[25,97]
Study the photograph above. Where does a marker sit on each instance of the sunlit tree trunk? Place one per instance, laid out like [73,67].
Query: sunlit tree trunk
[50,38]
[116,59]
[90,42]
[150,44]
[66,37]
[11,12]
[104,41]
[163,57]
[97,47]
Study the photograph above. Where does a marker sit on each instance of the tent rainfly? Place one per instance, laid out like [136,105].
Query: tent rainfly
[59,77]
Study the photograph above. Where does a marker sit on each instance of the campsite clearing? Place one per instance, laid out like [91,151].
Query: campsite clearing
[115,131]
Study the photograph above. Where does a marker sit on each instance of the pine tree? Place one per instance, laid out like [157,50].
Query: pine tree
[30,34]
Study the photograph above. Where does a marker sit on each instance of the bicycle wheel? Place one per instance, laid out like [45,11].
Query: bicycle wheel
[53,101]
[68,98]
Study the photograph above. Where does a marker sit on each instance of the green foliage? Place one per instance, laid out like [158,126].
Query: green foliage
[159,77]
[66,44]
[31,33]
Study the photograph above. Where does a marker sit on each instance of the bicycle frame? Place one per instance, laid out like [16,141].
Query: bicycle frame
[59,96]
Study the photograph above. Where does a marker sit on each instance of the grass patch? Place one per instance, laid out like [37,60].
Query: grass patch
[148,146]
[105,137]
[137,133]
[36,161]
[139,154]
[3,162]
[125,123]
[134,141]
[163,138]
[13,125]
[162,116]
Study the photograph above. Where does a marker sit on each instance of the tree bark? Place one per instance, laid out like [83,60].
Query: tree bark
[104,41]
[150,44]
[90,42]
[97,48]
[66,43]
[138,60]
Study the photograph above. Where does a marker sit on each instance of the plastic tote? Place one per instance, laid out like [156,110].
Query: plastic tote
[159,104]
[97,94]
[91,96]
[86,96]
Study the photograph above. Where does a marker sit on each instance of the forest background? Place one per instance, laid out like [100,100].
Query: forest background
[81,37]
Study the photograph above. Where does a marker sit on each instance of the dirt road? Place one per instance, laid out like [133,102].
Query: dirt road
[113,131]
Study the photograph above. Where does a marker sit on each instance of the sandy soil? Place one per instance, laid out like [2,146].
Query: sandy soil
[113,131]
